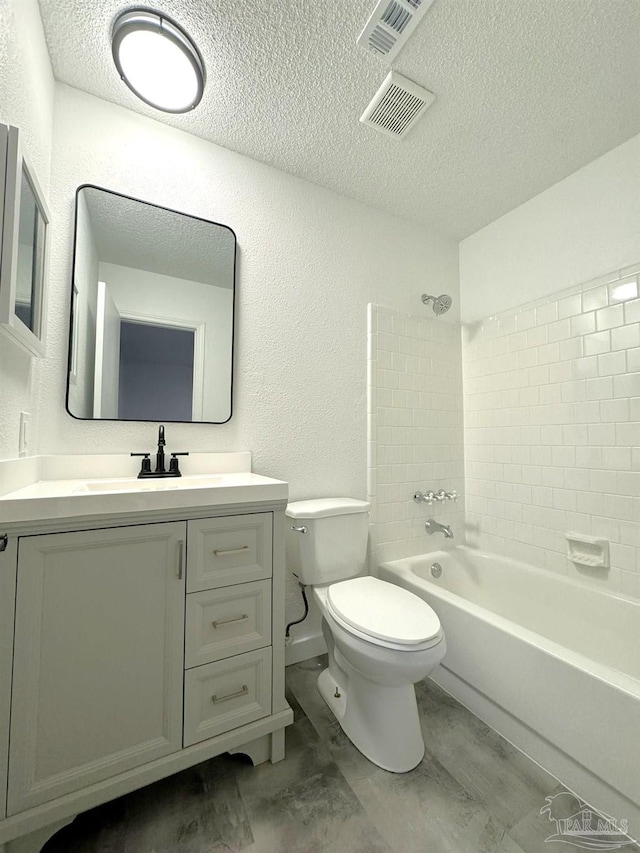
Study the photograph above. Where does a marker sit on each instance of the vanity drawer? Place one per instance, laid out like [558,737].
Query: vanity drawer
[221,696]
[227,621]
[229,550]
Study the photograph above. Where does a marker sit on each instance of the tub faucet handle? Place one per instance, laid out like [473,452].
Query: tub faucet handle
[439,497]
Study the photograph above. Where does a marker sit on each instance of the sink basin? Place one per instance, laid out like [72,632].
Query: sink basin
[150,484]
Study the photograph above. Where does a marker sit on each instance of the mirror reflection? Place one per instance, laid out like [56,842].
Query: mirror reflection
[29,272]
[152,313]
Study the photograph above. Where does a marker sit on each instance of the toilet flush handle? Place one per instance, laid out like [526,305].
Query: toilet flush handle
[302,529]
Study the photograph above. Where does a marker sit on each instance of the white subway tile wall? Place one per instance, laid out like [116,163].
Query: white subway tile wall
[415,430]
[552,428]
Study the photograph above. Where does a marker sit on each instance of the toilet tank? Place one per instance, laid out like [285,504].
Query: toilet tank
[334,546]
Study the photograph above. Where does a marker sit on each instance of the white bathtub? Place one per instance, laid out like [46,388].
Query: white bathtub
[550,663]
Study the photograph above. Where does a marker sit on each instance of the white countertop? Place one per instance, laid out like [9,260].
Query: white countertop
[27,494]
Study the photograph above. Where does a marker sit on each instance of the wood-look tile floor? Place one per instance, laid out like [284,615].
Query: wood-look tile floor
[472,793]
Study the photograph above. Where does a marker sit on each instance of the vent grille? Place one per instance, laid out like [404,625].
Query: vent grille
[381,40]
[396,16]
[397,106]
[396,110]
[391,24]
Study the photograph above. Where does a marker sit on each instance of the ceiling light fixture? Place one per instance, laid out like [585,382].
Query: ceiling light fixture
[157,60]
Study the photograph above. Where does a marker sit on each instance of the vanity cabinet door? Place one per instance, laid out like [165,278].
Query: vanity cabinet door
[98,664]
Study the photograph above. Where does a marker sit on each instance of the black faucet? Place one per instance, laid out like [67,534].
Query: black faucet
[160,454]
[145,467]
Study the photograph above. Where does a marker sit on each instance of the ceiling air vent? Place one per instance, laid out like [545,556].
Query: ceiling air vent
[390,25]
[397,106]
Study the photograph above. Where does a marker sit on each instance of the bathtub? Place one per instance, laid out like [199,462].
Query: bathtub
[550,663]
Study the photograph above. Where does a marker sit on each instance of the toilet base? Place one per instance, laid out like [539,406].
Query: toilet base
[381,721]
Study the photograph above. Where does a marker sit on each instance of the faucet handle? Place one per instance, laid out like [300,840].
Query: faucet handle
[427,497]
[174,467]
[145,467]
[440,497]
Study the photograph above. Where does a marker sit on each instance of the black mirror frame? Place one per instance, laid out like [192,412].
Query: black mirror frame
[71,308]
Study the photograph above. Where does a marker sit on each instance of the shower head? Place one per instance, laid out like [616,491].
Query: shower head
[441,304]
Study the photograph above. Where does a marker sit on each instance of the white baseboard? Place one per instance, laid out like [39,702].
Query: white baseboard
[303,648]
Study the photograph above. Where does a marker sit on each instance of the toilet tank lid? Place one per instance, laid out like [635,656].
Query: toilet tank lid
[323,507]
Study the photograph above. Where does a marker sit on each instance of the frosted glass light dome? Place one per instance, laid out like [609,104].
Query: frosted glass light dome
[157,60]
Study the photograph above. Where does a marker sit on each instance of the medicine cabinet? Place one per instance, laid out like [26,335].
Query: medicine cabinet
[24,230]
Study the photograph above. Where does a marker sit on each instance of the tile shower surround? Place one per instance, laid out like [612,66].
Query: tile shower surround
[414,430]
[552,428]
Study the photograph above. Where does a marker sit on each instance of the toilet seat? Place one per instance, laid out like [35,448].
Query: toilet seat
[383,614]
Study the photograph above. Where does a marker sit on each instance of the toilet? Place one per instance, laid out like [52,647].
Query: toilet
[381,638]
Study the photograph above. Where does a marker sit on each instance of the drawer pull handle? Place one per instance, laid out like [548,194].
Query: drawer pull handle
[242,692]
[220,553]
[229,619]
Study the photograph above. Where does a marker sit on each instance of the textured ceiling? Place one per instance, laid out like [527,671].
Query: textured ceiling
[144,237]
[528,91]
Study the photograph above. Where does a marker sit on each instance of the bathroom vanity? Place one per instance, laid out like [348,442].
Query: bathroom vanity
[141,630]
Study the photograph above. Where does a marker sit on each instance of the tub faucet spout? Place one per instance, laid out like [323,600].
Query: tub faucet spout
[432,526]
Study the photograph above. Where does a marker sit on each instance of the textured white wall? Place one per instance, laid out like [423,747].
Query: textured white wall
[26,101]
[583,227]
[309,261]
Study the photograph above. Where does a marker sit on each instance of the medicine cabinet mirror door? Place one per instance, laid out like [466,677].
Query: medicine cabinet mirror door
[24,234]
[152,313]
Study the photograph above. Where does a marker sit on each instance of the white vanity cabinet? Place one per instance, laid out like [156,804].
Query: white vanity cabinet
[97,657]
[139,649]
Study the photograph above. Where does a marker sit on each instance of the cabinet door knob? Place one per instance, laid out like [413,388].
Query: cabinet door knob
[242,692]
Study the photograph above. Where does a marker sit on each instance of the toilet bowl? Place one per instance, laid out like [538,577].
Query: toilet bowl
[381,638]
[368,684]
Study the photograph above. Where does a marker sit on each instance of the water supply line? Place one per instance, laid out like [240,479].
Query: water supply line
[306,612]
